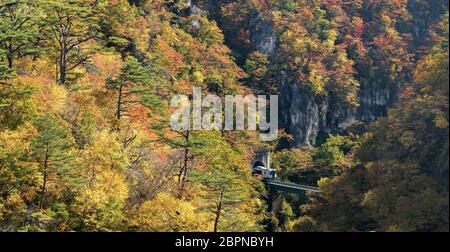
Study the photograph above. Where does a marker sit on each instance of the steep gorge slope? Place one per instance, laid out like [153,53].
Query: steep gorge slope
[334,63]
[85,143]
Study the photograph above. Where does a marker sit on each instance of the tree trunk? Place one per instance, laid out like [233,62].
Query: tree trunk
[63,65]
[183,171]
[186,164]
[119,103]
[63,56]
[44,183]
[185,167]
[10,62]
[219,209]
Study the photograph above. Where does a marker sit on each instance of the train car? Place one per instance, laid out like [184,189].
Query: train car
[265,173]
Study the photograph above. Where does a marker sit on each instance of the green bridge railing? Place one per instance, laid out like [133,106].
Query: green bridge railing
[290,187]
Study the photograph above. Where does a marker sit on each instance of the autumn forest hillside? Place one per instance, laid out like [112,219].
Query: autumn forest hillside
[85,137]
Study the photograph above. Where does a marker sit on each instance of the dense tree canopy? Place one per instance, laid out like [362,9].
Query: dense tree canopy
[85,143]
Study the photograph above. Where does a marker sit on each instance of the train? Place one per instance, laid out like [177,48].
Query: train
[264,172]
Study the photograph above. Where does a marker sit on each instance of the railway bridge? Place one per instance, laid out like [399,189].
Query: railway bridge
[276,187]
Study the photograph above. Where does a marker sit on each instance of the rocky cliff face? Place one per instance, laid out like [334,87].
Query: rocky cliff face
[263,36]
[306,119]
[304,116]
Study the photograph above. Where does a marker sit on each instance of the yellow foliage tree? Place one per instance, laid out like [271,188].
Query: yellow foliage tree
[167,213]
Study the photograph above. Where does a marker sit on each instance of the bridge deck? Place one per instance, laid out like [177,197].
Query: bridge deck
[290,187]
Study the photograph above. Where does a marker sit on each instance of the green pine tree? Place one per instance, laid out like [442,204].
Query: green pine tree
[19,30]
[52,151]
[6,73]
[129,86]
[69,25]
[229,193]
[224,195]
